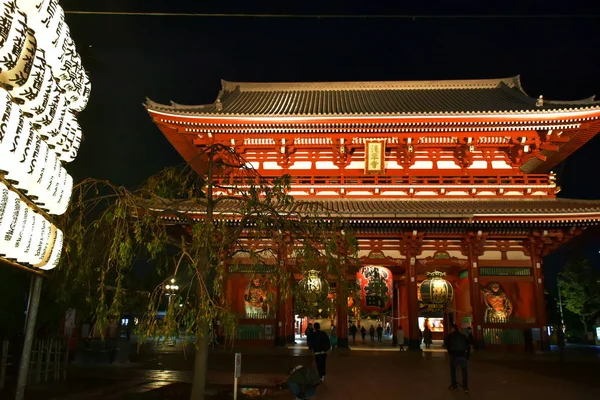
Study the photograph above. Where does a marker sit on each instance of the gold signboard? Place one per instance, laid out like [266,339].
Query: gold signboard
[375,156]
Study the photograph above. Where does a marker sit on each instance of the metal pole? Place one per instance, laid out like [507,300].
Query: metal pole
[560,305]
[31,283]
[26,355]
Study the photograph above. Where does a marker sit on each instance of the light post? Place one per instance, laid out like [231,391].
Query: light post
[171,289]
[560,305]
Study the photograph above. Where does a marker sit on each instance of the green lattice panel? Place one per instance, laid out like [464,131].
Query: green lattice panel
[505,271]
[503,336]
[254,332]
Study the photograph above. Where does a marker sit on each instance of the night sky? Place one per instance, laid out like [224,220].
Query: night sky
[183,58]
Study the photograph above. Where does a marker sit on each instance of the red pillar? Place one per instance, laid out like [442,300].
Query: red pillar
[395,310]
[541,319]
[414,343]
[475,292]
[342,322]
[284,320]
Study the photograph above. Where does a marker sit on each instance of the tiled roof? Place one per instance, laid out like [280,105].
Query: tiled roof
[372,98]
[417,208]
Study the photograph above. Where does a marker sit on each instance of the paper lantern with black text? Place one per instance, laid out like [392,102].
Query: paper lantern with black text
[375,285]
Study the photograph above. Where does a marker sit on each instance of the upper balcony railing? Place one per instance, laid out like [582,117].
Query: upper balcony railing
[533,185]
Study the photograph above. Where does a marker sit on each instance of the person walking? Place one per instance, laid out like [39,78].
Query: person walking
[333,340]
[400,337]
[363,334]
[459,351]
[353,331]
[321,346]
[372,334]
[427,337]
[309,335]
[379,333]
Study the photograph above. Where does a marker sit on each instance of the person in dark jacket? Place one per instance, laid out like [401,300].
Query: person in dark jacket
[353,329]
[459,351]
[302,381]
[321,346]
[427,337]
[309,336]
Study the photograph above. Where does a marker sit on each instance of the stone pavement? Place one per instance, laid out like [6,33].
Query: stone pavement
[353,375]
[426,376]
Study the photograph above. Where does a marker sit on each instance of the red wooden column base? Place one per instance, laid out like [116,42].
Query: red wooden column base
[414,340]
[395,313]
[342,324]
[541,320]
[285,323]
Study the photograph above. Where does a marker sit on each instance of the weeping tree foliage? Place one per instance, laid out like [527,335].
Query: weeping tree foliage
[580,287]
[191,227]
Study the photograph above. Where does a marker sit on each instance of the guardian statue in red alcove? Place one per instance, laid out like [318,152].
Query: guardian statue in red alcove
[255,298]
[499,307]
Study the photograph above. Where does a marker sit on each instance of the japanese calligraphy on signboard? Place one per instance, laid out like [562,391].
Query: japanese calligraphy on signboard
[374,156]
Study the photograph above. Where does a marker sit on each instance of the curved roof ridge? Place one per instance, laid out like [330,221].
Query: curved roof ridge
[513,82]
[587,100]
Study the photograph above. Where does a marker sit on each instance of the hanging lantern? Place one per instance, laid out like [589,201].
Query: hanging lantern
[56,252]
[350,301]
[22,232]
[312,283]
[31,233]
[40,242]
[9,211]
[375,285]
[312,296]
[436,290]
[9,131]
[17,46]
[49,240]
[51,171]
[32,87]
[65,195]
[32,7]
[24,154]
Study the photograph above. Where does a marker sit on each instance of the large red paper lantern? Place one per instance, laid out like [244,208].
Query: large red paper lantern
[373,282]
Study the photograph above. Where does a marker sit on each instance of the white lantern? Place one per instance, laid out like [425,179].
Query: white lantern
[47,245]
[24,153]
[51,171]
[56,252]
[38,105]
[32,231]
[29,161]
[74,148]
[81,101]
[39,242]
[33,7]
[44,162]
[23,223]
[58,185]
[15,147]
[51,123]
[56,34]
[65,195]
[7,209]
[9,222]
[55,104]
[17,46]
[31,90]
[9,133]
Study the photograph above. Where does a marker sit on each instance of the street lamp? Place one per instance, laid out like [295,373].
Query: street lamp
[171,289]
